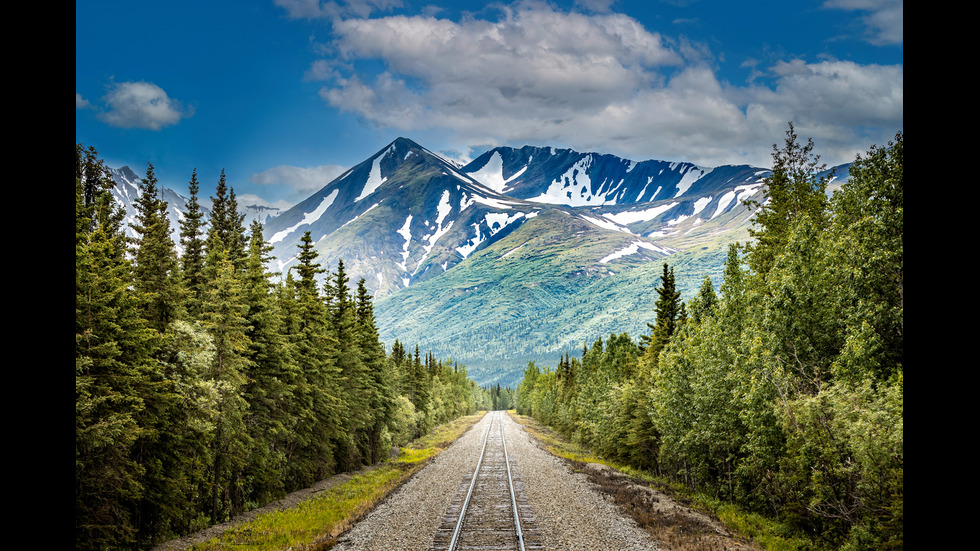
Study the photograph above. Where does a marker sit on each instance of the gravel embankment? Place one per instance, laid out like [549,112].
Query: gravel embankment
[569,513]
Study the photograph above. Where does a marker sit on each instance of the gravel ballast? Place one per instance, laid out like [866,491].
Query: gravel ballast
[569,513]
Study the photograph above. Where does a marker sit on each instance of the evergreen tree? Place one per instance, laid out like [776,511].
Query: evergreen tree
[236,240]
[156,271]
[112,346]
[191,239]
[224,312]
[355,383]
[267,389]
[226,225]
[669,310]
[794,188]
[380,382]
[319,416]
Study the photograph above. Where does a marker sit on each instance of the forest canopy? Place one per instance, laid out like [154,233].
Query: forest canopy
[203,388]
[782,391]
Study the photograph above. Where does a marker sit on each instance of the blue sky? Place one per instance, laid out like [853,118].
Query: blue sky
[286,94]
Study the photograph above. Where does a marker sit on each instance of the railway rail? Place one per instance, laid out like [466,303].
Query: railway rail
[489,511]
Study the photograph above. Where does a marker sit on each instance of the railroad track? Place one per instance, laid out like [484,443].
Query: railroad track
[489,511]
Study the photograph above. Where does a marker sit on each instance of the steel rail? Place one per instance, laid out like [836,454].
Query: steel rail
[476,472]
[513,497]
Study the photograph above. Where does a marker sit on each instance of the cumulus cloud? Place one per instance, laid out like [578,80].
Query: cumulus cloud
[301,180]
[141,105]
[884,19]
[600,81]
[81,103]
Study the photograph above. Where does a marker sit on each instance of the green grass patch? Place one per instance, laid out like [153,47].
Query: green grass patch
[316,523]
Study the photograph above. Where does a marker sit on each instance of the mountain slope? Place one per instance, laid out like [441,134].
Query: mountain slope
[402,216]
[567,177]
[523,254]
[554,283]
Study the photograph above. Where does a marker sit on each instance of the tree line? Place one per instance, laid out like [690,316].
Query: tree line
[203,388]
[783,391]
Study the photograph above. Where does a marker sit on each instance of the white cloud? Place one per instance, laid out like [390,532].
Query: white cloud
[884,19]
[317,9]
[600,82]
[141,105]
[302,180]
[81,103]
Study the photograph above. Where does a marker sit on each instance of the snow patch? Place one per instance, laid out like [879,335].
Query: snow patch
[308,218]
[691,176]
[634,248]
[701,204]
[607,224]
[629,217]
[406,233]
[374,179]
[562,190]
[495,203]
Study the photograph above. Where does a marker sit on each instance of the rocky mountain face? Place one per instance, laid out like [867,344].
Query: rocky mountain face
[521,255]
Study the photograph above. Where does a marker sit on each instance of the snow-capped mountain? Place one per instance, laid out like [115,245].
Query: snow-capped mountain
[549,248]
[650,197]
[402,216]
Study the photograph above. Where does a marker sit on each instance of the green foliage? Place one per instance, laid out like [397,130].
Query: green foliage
[783,393]
[200,397]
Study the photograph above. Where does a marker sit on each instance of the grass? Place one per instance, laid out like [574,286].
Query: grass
[678,531]
[316,523]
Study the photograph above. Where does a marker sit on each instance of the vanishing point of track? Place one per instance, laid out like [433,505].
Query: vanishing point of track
[490,511]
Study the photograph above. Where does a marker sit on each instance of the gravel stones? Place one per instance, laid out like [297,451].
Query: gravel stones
[569,514]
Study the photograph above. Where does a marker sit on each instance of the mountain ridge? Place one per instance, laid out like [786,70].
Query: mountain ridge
[519,255]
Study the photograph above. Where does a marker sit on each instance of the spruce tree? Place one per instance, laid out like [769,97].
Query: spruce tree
[317,391]
[223,314]
[191,239]
[112,348]
[380,382]
[268,378]
[156,270]
[669,310]
[795,188]
[354,376]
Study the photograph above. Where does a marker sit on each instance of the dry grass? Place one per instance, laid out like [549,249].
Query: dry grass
[667,518]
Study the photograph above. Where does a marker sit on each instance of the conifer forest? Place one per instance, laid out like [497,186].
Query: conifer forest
[204,389]
[205,385]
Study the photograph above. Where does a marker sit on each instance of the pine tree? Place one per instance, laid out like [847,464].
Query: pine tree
[795,188]
[191,239]
[112,346]
[223,314]
[669,310]
[156,270]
